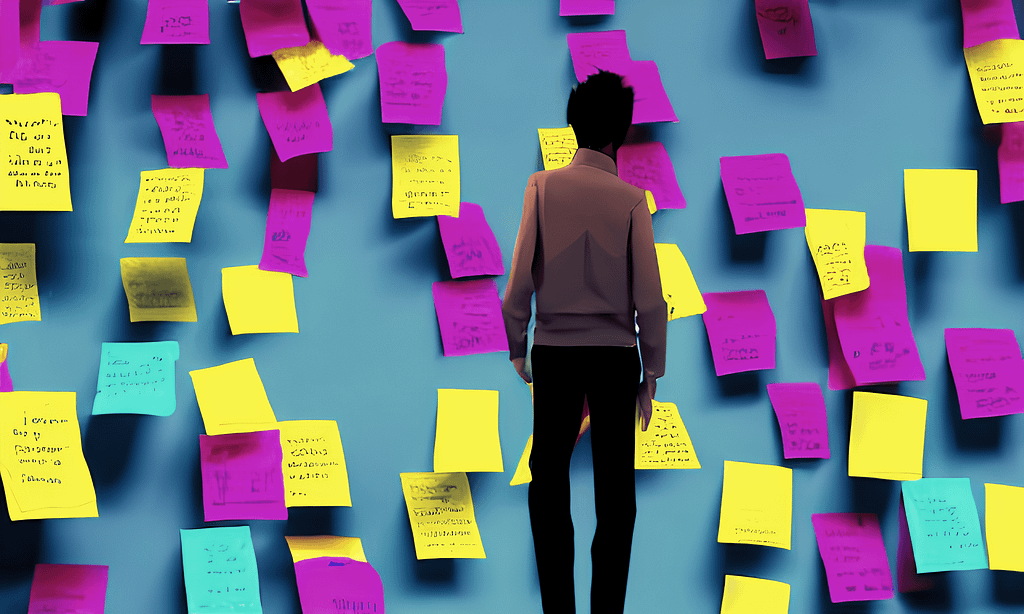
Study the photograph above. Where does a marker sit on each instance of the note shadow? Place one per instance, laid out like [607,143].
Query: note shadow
[311,521]
[583,21]
[871,495]
[1007,587]
[938,598]
[1017,228]
[745,248]
[122,329]
[753,51]
[974,434]
[740,384]
[108,444]
[437,575]
[177,71]
[87,20]
[921,265]
[22,545]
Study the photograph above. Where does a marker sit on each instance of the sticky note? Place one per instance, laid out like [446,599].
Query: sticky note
[343,26]
[1011,162]
[650,101]
[887,436]
[942,209]
[232,399]
[557,146]
[762,193]
[996,78]
[436,502]
[786,28]
[136,378]
[836,240]
[41,462]
[839,375]
[81,589]
[158,290]
[570,8]
[467,431]
[988,20]
[1004,532]
[852,550]
[186,125]
[469,315]
[665,444]
[314,464]
[62,67]
[219,565]
[757,505]
[413,82]
[741,331]
[177,22]
[523,474]
[425,175]
[743,595]
[19,296]
[800,410]
[594,51]
[6,385]
[242,477]
[309,64]
[305,547]
[944,525]
[10,46]
[648,167]
[258,301]
[270,25]
[469,243]
[337,584]
[988,371]
[288,222]
[436,15]
[907,578]
[167,205]
[296,121]
[677,283]
[35,149]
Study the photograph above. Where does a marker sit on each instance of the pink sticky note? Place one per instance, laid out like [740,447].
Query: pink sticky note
[270,25]
[59,2]
[81,589]
[873,327]
[648,167]
[762,193]
[297,121]
[907,578]
[64,67]
[786,28]
[650,101]
[593,51]
[343,26]
[988,371]
[6,385]
[988,20]
[29,14]
[186,124]
[469,315]
[413,82]
[329,584]
[741,331]
[242,477]
[9,38]
[1011,162]
[800,410]
[570,8]
[852,550]
[469,243]
[177,22]
[288,220]
[839,376]
[435,15]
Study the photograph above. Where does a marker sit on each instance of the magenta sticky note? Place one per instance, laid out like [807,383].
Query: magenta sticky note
[907,578]
[81,589]
[762,193]
[338,584]
[6,385]
[1011,162]
[413,82]
[469,315]
[570,8]
[9,38]
[786,28]
[177,22]
[242,477]
[288,221]
[650,101]
[343,26]
[270,25]
[469,243]
[988,371]
[988,20]
[839,376]
[873,327]
[186,125]
[29,15]
[593,51]
[297,121]
[852,550]
[648,167]
[435,15]
[64,67]
[741,331]
[803,421]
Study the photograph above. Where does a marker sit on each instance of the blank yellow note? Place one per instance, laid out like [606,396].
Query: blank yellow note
[677,283]
[757,505]
[19,294]
[232,399]
[997,79]
[523,474]
[887,436]
[441,514]
[665,444]
[1004,526]
[306,65]
[158,290]
[557,146]
[305,547]
[313,464]
[942,209]
[35,176]
[651,205]
[467,431]
[166,207]
[836,240]
[745,595]
[424,175]
[258,301]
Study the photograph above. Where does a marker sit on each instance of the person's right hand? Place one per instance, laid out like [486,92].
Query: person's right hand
[520,365]
[644,399]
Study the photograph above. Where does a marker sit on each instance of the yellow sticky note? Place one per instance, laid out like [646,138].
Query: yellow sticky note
[166,207]
[306,65]
[232,399]
[304,547]
[441,514]
[887,436]
[35,176]
[523,475]
[942,209]
[313,464]
[41,462]
[665,444]
[757,505]
[158,290]
[677,283]
[1004,531]
[651,205]
[836,241]
[557,146]
[424,175]
[19,294]
[745,595]
[997,79]
[258,301]
[467,431]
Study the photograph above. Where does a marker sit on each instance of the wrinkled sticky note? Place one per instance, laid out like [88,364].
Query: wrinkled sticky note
[988,371]
[988,20]
[297,121]
[469,315]
[219,565]
[288,222]
[309,64]
[425,175]
[186,125]
[343,26]
[836,240]
[270,25]
[757,505]
[677,283]
[19,297]
[665,444]
[996,77]
[594,51]
[557,146]
[177,22]
[37,162]
[741,331]
[942,209]
[786,28]
[650,100]
[467,431]
[648,167]
[77,589]
[1011,162]
[435,15]
[852,550]
[944,525]
[523,474]
[571,8]
[232,399]
[469,243]
[242,478]
[887,436]
[762,193]
[6,385]
[800,410]
[136,378]
[62,67]
[336,584]
[158,290]
[314,464]
[436,502]
[1004,532]
[413,83]
[744,595]
[167,205]
[305,547]
[258,301]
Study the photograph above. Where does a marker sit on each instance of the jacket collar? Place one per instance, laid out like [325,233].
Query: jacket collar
[589,157]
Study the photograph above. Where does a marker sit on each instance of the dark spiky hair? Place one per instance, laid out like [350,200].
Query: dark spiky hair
[600,110]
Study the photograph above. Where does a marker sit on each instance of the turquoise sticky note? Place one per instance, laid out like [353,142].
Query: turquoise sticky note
[136,378]
[944,526]
[220,571]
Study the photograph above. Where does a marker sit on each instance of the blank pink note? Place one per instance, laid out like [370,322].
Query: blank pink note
[297,121]
[648,167]
[288,222]
[270,25]
[988,20]
[650,101]
[186,125]
[1011,162]
[177,22]
[81,589]
[413,82]
[242,477]
[435,15]
[570,8]
[64,67]
[741,331]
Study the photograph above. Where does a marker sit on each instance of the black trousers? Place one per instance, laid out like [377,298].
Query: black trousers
[608,377]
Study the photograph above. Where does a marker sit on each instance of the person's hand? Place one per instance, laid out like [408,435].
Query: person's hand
[520,365]
[644,397]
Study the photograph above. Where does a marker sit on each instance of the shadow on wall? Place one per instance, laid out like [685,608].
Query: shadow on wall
[743,249]
[976,434]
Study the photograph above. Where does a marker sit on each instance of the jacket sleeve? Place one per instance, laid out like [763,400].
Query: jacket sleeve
[651,309]
[516,306]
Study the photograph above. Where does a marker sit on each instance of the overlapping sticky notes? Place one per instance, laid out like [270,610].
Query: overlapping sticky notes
[242,477]
[852,550]
[167,205]
[836,240]
[425,175]
[270,25]
[333,584]
[177,22]
[297,121]
[41,462]
[800,410]
[988,371]
[441,514]
[288,222]
[523,474]
[186,125]
[305,547]
[469,315]
[557,146]
[19,297]
[677,283]
[741,331]
[258,301]
[745,595]
[314,467]
[309,64]
[136,378]
[436,15]
[469,243]
[757,505]
[648,167]
[887,436]
[786,28]
[413,82]
[762,193]
[467,431]
[996,78]
[988,20]
[6,385]
[35,149]
[570,8]
[1011,162]
[343,26]
[232,399]
[80,589]
[651,103]
[1004,532]
[594,51]
[158,290]
[9,35]
[62,67]
[942,209]
[665,444]
[944,525]
[219,566]
[907,578]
